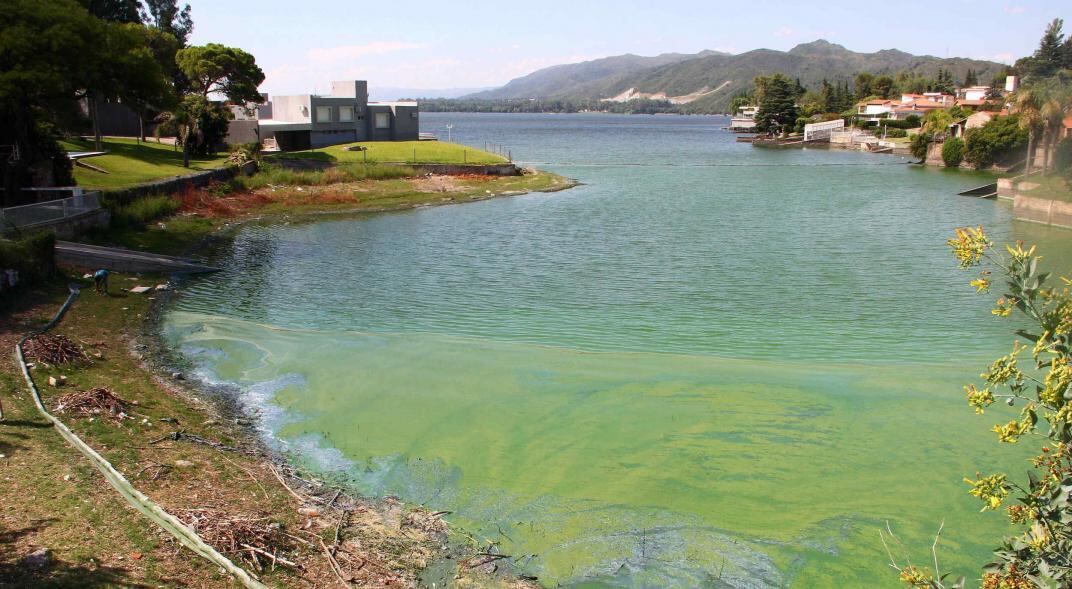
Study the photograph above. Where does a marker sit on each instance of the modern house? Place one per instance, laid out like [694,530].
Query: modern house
[745,119]
[306,121]
[875,107]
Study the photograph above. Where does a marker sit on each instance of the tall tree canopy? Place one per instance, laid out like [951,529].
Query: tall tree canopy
[777,104]
[53,52]
[213,69]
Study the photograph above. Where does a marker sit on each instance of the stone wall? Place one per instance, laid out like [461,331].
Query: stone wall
[1042,210]
[459,169]
[180,183]
[75,225]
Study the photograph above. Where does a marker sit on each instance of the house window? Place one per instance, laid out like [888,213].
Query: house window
[383,120]
[346,114]
[323,114]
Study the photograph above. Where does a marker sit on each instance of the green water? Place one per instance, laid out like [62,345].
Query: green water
[711,365]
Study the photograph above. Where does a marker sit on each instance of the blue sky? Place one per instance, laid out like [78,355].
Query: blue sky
[304,44]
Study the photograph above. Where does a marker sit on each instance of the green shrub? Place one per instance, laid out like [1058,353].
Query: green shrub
[32,255]
[919,144]
[143,211]
[1000,140]
[896,133]
[275,175]
[244,152]
[953,152]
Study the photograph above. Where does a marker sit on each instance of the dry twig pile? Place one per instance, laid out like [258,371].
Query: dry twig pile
[97,402]
[52,349]
[256,540]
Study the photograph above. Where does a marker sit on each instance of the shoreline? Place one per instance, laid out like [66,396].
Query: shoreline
[216,413]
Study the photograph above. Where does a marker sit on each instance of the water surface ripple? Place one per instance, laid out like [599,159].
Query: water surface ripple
[711,364]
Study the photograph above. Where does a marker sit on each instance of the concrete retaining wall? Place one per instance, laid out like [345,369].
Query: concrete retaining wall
[1042,210]
[459,169]
[73,226]
[180,183]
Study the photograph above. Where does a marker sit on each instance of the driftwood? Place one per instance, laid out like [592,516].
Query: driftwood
[52,349]
[93,403]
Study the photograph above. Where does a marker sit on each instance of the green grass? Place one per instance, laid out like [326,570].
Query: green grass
[275,175]
[427,152]
[129,163]
[1053,187]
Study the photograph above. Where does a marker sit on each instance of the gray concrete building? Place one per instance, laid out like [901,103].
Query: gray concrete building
[309,120]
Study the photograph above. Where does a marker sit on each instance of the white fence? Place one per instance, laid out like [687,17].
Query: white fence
[53,210]
[815,131]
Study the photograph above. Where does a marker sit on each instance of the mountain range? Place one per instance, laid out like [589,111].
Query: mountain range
[708,81]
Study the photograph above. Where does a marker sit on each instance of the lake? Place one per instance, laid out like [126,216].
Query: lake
[709,365]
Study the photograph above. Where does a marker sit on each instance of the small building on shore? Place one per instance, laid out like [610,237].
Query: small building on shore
[306,121]
[745,119]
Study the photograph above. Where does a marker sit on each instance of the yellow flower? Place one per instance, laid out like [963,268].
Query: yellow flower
[992,490]
[981,284]
[1005,307]
[1011,432]
[916,577]
[969,245]
[979,399]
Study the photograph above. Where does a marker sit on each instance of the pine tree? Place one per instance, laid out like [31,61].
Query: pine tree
[1050,55]
[971,78]
[777,109]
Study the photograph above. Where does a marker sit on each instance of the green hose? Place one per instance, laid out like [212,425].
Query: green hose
[135,498]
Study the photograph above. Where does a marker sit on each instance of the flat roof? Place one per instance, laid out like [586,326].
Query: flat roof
[394,103]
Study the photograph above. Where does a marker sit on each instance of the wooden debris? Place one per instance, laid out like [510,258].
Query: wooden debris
[99,402]
[254,539]
[53,349]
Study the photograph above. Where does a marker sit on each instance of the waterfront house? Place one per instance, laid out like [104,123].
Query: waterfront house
[981,118]
[973,92]
[744,120]
[875,108]
[304,121]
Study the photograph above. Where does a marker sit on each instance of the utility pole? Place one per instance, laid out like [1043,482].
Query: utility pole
[449,127]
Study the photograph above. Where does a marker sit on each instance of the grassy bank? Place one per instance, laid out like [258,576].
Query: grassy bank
[50,495]
[129,163]
[421,152]
[1052,187]
[277,192]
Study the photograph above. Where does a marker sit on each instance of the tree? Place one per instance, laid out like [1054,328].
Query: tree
[863,84]
[121,11]
[920,143]
[166,16]
[127,71]
[51,53]
[882,86]
[953,152]
[1029,114]
[971,78]
[214,69]
[998,141]
[777,106]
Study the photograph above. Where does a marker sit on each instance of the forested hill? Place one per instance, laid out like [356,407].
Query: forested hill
[708,81]
[573,79]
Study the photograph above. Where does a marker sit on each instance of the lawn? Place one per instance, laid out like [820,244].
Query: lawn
[129,163]
[425,152]
[1053,187]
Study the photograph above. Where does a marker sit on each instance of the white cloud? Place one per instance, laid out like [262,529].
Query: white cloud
[784,32]
[1014,9]
[331,54]
[1000,57]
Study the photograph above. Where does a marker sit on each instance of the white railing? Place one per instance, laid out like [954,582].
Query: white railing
[52,210]
[815,131]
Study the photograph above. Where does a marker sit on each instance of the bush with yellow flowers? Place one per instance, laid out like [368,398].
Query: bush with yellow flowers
[1041,555]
